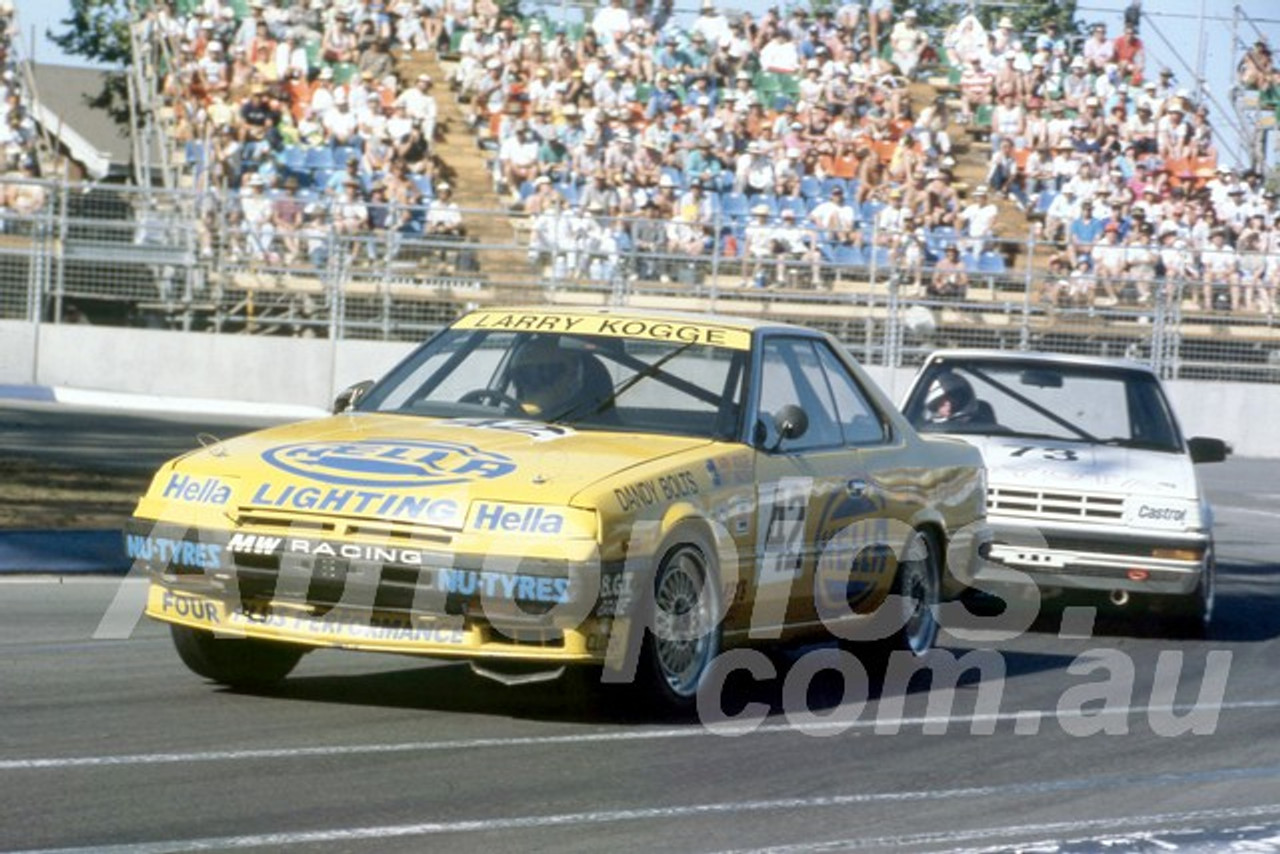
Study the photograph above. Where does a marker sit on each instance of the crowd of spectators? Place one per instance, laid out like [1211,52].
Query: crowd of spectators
[22,196]
[300,108]
[1118,167]
[788,141]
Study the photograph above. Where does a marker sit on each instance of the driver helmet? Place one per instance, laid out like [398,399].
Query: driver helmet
[547,378]
[950,398]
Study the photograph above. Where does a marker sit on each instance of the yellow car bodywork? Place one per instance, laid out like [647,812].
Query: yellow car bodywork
[511,539]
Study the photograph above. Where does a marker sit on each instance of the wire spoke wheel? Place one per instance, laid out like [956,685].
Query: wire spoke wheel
[684,638]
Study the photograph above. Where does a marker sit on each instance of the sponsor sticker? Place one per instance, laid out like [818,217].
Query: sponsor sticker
[196,490]
[1161,513]
[388,464]
[693,332]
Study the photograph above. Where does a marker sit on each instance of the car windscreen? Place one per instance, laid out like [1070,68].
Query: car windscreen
[581,381]
[1043,400]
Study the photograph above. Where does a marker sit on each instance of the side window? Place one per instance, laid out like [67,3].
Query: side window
[791,373]
[858,419]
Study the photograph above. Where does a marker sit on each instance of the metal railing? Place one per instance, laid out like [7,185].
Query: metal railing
[190,261]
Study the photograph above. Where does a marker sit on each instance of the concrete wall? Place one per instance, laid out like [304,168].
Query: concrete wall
[17,352]
[310,372]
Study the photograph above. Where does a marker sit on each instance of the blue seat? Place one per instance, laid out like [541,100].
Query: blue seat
[344,154]
[795,204]
[810,187]
[848,256]
[569,191]
[880,257]
[318,158]
[991,263]
[424,185]
[294,158]
[831,183]
[734,205]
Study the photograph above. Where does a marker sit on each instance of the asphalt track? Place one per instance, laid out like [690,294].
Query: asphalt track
[111,745]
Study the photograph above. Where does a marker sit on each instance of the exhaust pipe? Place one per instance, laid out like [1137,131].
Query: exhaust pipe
[1119,598]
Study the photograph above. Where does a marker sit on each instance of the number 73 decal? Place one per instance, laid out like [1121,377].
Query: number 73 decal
[1066,455]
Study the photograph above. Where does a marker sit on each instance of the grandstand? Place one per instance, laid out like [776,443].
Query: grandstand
[372,170]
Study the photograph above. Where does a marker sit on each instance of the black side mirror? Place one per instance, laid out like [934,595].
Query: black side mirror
[791,422]
[350,396]
[1206,450]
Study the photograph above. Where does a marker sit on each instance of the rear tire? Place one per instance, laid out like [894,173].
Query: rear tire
[916,590]
[236,662]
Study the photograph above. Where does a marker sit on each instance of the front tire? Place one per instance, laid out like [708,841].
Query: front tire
[1194,615]
[236,662]
[684,638]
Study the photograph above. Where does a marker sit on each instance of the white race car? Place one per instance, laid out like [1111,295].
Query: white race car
[1091,484]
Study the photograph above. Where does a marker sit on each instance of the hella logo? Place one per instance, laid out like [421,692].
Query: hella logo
[380,463]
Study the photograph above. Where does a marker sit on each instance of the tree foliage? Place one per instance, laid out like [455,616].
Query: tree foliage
[97,30]
[1028,16]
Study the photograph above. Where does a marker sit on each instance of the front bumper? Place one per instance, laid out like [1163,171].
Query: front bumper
[1096,558]
[402,599]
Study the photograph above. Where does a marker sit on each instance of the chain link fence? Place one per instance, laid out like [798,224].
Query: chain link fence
[209,262]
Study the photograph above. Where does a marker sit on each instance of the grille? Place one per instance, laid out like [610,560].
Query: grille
[1055,504]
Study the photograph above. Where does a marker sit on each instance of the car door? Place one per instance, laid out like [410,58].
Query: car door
[809,485]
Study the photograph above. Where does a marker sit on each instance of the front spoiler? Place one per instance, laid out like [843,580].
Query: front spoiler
[368,631]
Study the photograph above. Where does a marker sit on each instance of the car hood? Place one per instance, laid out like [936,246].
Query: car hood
[1085,467]
[396,466]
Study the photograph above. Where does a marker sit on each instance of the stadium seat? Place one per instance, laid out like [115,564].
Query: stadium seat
[320,157]
[991,263]
[810,186]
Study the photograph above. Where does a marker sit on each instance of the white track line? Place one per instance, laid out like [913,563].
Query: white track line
[617,736]
[601,817]
[1053,834]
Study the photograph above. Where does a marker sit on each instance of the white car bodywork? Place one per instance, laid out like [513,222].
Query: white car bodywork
[1085,503]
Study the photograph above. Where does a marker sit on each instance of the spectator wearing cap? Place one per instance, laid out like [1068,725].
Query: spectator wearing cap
[1251,248]
[906,43]
[1220,273]
[611,21]
[444,217]
[836,220]
[780,54]
[975,89]
[976,222]
[1077,85]
[518,157]
[420,105]
[1083,232]
[1109,260]
[754,172]
[340,122]
[1003,36]
[1130,54]
[256,218]
[1005,176]
[1173,134]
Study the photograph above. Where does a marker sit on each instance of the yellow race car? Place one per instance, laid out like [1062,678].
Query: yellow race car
[537,488]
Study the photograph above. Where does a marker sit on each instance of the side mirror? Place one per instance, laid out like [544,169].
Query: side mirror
[790,422]
[1206,450]
[350,396]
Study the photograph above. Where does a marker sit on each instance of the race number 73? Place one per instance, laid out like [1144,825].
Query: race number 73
[1066,455]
